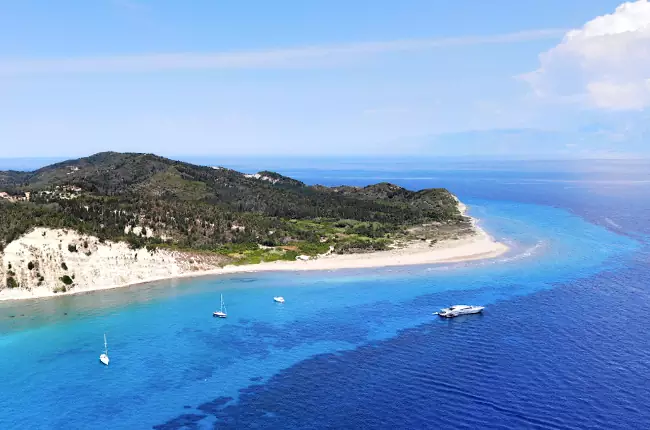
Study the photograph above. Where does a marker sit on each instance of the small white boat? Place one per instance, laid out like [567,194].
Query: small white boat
[104,357]
[457,310]
[278,299]
[221,313]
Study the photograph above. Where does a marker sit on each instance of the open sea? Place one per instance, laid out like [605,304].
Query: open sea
[564,342]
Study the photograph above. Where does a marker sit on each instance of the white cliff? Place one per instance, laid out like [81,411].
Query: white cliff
[45,262]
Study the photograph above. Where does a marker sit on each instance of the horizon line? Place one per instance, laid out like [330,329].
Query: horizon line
[388,156]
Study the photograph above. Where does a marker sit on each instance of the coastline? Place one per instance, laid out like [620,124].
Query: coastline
[476,246]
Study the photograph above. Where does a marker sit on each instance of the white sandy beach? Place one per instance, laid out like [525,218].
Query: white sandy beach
[111,265]
[473,247]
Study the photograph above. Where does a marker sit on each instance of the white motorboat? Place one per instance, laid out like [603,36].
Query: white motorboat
[278,299]
[104,357]
[221,313]
[457,310]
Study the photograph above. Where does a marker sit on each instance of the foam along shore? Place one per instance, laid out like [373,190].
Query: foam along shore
[47,262]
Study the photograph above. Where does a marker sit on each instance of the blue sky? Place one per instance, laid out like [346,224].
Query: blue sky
[329,77]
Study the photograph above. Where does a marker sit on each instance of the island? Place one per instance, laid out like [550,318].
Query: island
[116,219]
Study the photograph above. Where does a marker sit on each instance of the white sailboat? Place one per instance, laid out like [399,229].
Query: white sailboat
[104,357]
[278,299]
[222,313]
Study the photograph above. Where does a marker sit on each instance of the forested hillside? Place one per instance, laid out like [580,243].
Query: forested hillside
[153,201]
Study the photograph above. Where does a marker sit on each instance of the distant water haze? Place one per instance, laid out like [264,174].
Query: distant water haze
[423,163]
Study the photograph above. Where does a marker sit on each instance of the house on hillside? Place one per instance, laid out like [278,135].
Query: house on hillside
[14,198]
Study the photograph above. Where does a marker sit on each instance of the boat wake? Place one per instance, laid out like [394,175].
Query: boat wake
[612,223]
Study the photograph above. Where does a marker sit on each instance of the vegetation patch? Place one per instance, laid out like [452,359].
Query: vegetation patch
[12,283]
[218,211]
[361,244]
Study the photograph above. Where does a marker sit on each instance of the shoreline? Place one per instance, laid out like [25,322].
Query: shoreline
[476,246]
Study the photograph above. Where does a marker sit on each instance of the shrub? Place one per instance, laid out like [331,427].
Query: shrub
[313,248]
[64,266]
[135,243]
[66,280]
[361,245]
[72,248]
[290,255]
[12,283]
[30,265]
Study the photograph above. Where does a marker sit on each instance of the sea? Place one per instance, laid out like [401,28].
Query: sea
[563,343]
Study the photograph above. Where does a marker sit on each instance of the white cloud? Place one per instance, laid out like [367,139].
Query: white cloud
[607,61]
[609,95]
[278,58]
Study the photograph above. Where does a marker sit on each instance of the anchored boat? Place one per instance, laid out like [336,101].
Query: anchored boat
[104,357]
[221,313]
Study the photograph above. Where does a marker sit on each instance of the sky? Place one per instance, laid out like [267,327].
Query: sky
[551,78]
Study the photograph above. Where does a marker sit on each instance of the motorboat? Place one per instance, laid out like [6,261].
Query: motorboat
[221,313]
[278,299]
[104,357]
[457,310]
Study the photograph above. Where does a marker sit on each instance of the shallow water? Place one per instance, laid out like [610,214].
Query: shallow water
[562,343]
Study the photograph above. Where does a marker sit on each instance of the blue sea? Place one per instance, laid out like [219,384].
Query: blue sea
[564,342]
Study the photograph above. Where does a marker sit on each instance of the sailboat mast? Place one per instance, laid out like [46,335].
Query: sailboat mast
[105,345]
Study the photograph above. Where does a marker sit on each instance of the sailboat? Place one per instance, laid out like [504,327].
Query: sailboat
[222,313]
[104,357]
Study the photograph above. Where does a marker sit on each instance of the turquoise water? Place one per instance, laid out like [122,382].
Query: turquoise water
[168,355]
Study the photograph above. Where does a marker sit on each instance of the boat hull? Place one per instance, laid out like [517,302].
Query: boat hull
[219,315]
[461,312]
[104,359]
[450,315]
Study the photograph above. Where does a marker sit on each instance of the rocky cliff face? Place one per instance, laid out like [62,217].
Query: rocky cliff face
[46,262]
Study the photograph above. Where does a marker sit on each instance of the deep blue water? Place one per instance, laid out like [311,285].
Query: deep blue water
[563,343]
